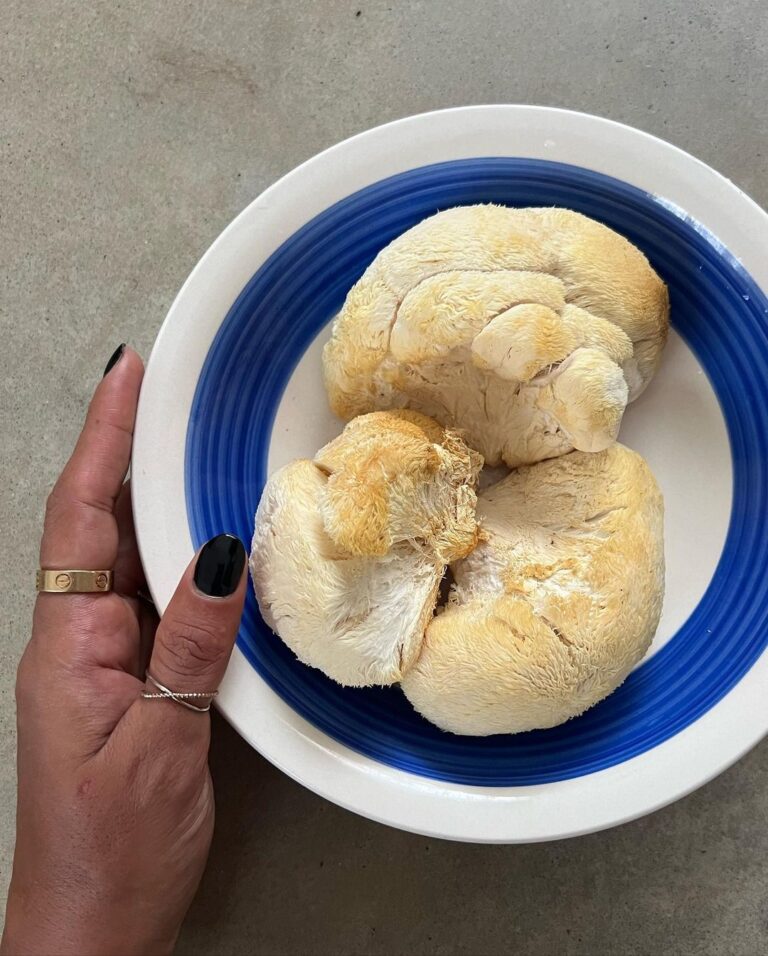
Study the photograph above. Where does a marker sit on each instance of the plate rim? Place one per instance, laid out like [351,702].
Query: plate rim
[435,808]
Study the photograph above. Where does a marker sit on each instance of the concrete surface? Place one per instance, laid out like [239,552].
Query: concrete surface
[131,133]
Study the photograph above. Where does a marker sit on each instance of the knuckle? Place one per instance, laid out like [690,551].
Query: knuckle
[66,507]
[24,682]
[63,508]
[30,687]
[193,646]
[178,755]
[55,505]
[185,772]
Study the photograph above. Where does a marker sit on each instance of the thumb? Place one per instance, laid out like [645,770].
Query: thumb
[196,635]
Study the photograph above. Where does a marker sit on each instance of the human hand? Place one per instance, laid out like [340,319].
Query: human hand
[115,803]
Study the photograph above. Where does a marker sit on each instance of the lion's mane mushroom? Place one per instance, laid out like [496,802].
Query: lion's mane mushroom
[555,606]
[349,549]
[530,329]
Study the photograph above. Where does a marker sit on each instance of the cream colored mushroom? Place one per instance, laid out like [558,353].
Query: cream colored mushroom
[530,329]
[555,606]
[349,549]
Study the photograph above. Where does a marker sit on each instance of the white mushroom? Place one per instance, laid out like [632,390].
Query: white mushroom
[529,329]
[349,549]
[555,606]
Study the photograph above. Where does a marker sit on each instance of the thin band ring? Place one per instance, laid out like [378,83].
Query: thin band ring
[179,697]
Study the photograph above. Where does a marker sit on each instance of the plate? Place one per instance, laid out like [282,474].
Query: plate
[233,390]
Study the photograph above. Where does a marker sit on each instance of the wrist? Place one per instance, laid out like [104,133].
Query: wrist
[41,919]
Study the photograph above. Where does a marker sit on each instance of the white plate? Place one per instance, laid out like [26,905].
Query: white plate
[678,425]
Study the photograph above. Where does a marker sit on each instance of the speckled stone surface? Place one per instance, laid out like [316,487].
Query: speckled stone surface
[132,132]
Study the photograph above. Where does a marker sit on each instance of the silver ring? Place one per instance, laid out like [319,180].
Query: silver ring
[180,697]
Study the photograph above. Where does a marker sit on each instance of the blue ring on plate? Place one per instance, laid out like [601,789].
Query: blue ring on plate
[717,308]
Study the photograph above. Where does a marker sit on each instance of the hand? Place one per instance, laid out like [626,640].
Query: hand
[115,802]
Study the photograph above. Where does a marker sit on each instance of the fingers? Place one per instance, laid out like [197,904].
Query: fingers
[131,582]
[80,527]
[129,573]
[80,632]
[148,621]
[195,637]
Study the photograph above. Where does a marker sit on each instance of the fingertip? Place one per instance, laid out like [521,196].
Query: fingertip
[220,566]
[117,394]
[114,359]
[197,632]
[123,363]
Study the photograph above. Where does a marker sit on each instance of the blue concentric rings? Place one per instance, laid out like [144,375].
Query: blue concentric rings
[717,308]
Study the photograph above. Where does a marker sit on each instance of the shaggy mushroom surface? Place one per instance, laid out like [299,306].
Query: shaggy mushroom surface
[350,548]
[530,329]
[555,606]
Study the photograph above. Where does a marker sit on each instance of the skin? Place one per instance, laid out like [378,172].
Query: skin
[115,802]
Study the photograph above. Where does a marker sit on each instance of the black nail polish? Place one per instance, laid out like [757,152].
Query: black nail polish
[220,565]
[114,359]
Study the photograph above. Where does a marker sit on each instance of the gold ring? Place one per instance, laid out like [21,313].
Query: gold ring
[73,582]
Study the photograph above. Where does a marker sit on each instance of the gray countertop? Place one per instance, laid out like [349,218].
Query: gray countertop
[132,132]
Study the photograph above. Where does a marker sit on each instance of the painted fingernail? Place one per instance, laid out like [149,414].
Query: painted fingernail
[114,359]
[220,566]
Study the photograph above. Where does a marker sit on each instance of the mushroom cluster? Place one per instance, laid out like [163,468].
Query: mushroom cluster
[530,329]
[350,548]
[556,604]
[483,333]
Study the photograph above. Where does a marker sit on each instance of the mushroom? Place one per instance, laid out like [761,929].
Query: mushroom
[349,549]
[555,606]
[530,329]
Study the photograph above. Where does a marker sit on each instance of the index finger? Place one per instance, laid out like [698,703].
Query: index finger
[80,527]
